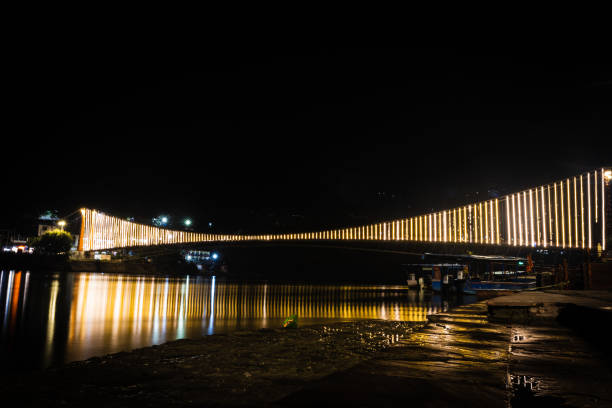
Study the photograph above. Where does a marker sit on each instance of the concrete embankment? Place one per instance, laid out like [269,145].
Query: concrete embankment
[462,358]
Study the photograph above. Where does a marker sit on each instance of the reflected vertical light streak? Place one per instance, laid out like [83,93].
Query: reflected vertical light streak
[7,303]
[211,321]
[26,290]
[51,322]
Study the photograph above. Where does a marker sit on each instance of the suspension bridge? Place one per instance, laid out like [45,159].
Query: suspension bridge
[573,213]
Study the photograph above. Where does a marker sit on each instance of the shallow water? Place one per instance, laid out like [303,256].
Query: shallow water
[56,318]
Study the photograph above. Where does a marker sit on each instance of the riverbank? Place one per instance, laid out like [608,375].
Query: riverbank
[251,367]
[62,263]
[460,358]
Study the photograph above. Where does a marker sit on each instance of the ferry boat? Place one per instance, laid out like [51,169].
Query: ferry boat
[450,278]
[437,277]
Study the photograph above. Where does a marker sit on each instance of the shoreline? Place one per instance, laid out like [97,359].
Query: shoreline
[258,366]
[458,358]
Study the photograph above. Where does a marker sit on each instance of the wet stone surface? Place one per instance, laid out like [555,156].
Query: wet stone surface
[244,368]
[459,359]
[549,366]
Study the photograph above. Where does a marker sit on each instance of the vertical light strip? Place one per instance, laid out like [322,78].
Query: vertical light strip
[569,214]
[556,218]
[471,222]
[595,188]
[486,223]
[537,217]
[589,205]
[478,222]
[562,215]
[497,223]
[420,228]
[520,218]
[582,212]
[410,230]
[514,241]
[576,214]
[478,217]
[475,218]
[603,212]
[550,228]
[508,231]
[454,225]
[445,236]
[525,216]
[435,224]
[544,236]
[465,232]
[491,230]
[460,226]
[531,218]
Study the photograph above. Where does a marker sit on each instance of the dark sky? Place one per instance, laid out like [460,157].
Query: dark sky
[269,139]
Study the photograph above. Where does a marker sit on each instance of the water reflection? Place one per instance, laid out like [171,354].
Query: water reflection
[64,317]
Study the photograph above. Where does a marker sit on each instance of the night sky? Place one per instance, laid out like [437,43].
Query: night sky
[266,140]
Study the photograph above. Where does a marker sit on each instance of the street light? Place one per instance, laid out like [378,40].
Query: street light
[62,224]
[187,222]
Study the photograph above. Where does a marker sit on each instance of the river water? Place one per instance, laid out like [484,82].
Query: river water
[51,319]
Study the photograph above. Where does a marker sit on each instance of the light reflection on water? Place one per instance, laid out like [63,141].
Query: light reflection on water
[57,318]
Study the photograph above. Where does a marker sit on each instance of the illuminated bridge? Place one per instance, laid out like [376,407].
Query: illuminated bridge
[566,214]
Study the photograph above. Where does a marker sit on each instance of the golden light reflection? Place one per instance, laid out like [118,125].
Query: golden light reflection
[120,312]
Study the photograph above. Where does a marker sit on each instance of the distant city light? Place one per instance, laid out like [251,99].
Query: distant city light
[187,222]
[215,255]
